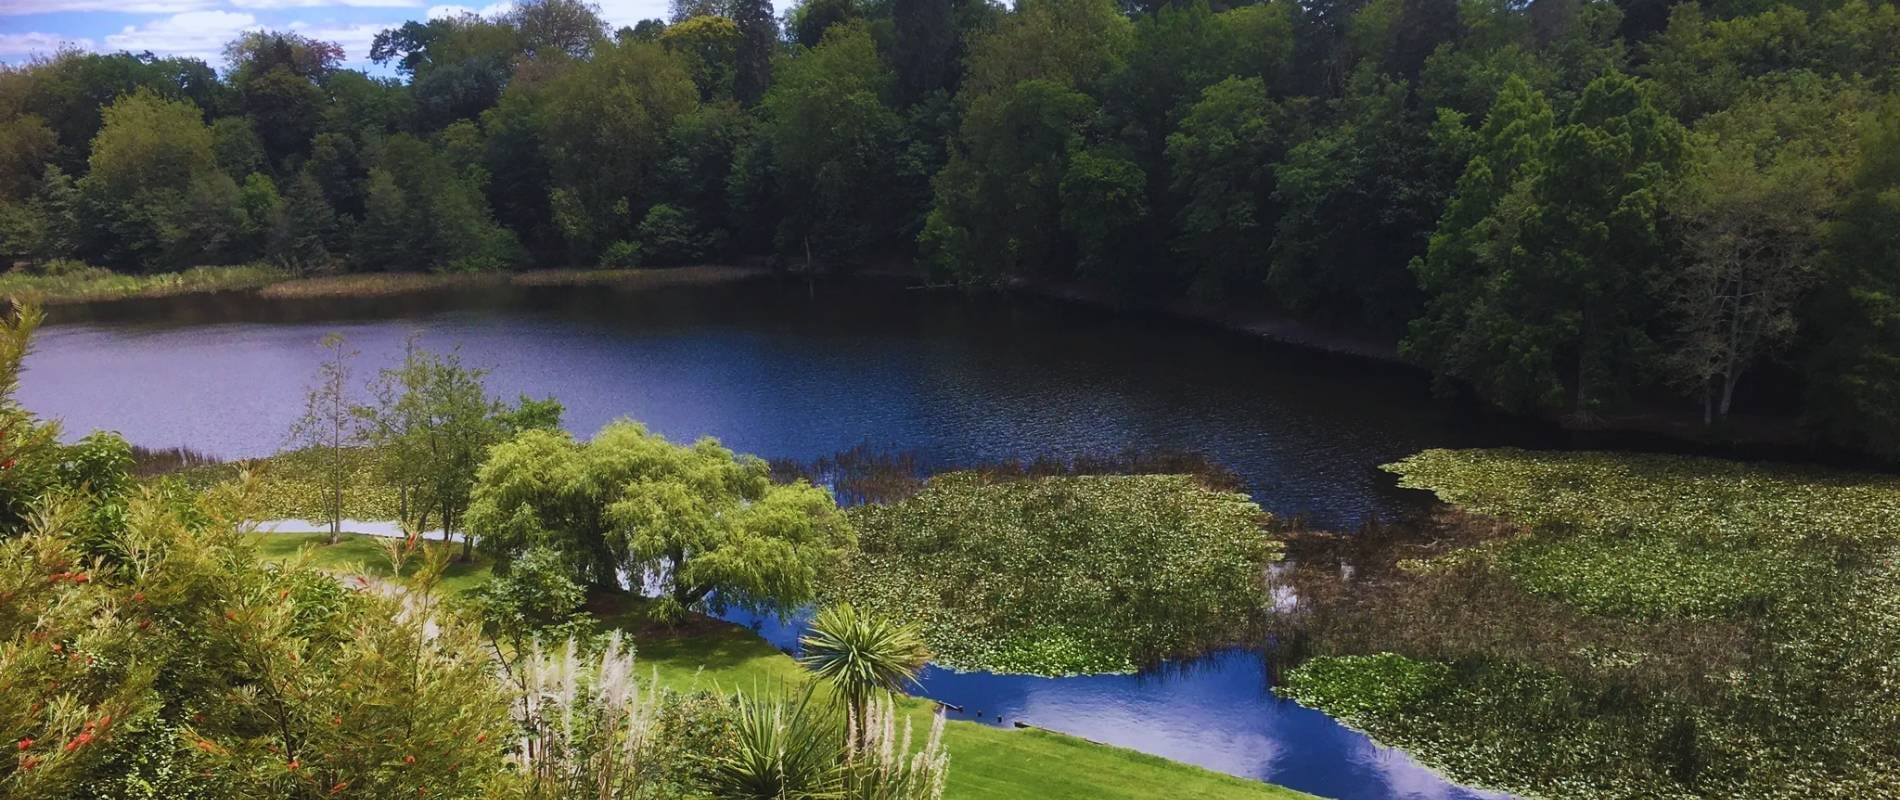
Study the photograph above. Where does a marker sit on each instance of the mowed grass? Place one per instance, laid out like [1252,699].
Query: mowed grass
[364,555]
[986,763]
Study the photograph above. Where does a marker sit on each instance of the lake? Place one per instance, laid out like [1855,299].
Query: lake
[773,370]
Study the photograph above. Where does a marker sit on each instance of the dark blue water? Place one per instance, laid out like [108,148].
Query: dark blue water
[781,374]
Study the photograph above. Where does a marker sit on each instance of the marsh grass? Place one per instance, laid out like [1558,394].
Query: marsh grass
[83,284]
[387,284]
[152,462]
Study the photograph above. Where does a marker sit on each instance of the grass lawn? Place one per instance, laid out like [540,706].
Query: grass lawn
[986,763]
[363,555]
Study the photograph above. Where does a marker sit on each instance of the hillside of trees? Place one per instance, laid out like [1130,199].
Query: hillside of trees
[1564,207]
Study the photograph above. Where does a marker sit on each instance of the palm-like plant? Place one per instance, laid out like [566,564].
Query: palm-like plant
[861,655]
[787,749]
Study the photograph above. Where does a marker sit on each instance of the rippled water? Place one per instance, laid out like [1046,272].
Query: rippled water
[782,374]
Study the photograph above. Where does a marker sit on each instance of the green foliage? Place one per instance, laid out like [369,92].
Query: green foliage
[144,650]
[430,424]
[861,656]
[603,133]
[1579,257]
[150,155]
[1063,575]
[832,133]
[708,45]
[786,748]
[708,523]
[1011,152]
[667,236]
[1856,371]
[328,425]
[1541,301]
[1221,159]
[1360,687]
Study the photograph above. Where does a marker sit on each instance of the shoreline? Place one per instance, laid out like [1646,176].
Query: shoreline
[1743,437]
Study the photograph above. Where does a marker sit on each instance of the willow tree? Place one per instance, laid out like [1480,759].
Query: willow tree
[704,526]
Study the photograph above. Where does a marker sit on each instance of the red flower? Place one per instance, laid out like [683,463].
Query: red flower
[26,743]
[30,762]
[338,789]
[78,741]
[81,578]
[293,763]
[205,745]
[408,759]
[481,737]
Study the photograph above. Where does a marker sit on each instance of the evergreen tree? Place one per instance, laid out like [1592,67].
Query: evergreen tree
[309,225]
[926,39]
[1855,373]
[385,238]
[758,35]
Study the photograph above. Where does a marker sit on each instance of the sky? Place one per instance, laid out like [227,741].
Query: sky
[200,28]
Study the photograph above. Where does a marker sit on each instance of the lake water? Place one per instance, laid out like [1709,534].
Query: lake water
[772,371]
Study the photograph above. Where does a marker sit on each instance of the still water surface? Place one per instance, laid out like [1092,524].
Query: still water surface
[782,374]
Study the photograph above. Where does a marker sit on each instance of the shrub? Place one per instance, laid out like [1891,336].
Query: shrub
[620,254]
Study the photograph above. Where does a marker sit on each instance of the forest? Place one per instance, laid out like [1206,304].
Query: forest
[1574,209]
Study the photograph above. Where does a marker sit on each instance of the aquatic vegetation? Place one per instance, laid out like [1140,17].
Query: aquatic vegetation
[1063,575]
[1643,626]
[1652,535]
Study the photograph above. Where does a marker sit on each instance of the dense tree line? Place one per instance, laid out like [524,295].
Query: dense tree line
[1564,207]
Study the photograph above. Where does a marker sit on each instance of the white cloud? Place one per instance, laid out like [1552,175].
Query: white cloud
[270,4]
[23,7]
[491,10]
[355,39]
[623,13]
[200,34]
[20,45]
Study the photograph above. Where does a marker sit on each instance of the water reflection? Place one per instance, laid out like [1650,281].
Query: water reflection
[1217,712]
[781,375]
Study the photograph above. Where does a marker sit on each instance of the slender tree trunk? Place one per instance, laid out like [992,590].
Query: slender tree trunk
[336,496]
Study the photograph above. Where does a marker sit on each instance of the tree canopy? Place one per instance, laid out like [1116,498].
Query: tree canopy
[1556,207]
[708,526]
